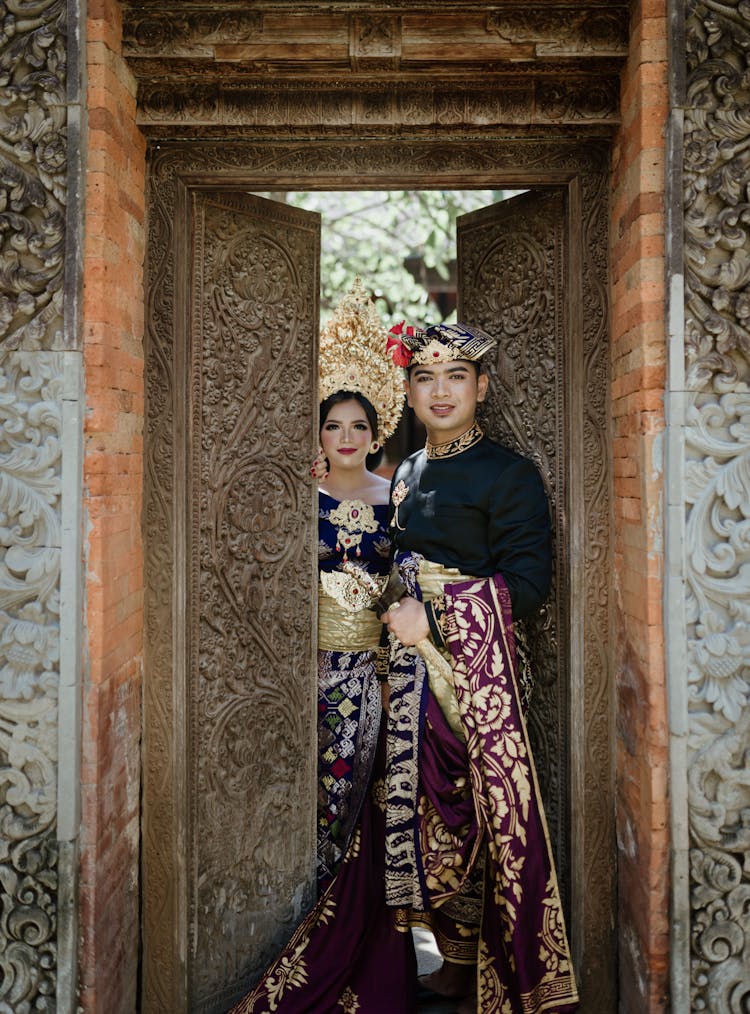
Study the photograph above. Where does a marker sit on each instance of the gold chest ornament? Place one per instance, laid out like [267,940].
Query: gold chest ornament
[351,519]
[398,496]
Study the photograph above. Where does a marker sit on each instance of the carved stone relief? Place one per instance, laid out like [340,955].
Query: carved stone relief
[30,457]
[33,167]
[717,331]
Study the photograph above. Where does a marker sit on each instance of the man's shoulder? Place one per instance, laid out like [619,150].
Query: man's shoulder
[408,465]
[503,456]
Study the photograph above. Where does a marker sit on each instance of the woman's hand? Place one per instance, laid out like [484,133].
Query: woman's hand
[319,467]
[407,620]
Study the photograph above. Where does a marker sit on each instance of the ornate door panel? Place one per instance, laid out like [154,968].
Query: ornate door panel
[229,757]
[518,270]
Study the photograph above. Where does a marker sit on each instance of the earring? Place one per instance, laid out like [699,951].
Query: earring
[374,447]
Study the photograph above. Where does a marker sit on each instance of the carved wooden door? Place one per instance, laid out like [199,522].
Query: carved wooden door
[229,752]
[519,268]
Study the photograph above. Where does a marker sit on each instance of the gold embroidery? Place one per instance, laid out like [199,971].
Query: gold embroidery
[379,793]
[441,853]
[403,771]
[342,629]
[354,845]
[491,993]
[349,1001]
[486,710]
[437,605]
[453,447]
[327,911]
[290,973]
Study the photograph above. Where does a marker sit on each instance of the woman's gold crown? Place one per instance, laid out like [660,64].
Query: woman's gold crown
[353,357]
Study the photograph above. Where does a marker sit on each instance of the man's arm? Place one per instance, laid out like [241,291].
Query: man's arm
[519,536]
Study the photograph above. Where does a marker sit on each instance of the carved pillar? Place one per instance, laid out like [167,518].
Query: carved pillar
[717,499]
[39,443]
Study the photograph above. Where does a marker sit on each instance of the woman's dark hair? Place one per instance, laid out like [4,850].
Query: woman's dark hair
[372,460]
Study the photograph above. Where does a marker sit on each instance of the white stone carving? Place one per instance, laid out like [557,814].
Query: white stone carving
[718,551]
[30,457]
[717,473]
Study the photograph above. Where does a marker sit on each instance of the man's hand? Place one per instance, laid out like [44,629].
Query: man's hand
[407,619]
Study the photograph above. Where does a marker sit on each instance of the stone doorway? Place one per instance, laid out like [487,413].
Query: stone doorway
[192,182]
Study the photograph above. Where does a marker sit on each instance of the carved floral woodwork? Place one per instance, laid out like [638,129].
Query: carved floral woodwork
[33,167]
[247,166]
[298,107]
[243,430]
[560,30]
[516,277]
[511,260]
[251,668]
[717,333]
[281,66]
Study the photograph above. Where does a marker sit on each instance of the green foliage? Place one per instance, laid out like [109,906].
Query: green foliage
[372,233]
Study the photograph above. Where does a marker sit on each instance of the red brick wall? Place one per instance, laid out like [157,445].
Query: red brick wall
[113,474]
[638,378]
[113,317]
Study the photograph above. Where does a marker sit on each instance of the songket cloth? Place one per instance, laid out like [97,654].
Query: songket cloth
[349,707]
[467,845]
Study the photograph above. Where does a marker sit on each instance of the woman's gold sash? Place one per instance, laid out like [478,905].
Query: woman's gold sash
[345,624]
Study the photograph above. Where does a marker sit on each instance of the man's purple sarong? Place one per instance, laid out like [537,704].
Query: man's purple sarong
[478,802]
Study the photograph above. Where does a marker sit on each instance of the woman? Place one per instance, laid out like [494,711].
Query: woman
[347,955]
[352,509]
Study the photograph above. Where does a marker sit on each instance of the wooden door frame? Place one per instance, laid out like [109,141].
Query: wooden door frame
[581,168]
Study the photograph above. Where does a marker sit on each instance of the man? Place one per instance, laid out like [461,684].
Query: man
[467,852]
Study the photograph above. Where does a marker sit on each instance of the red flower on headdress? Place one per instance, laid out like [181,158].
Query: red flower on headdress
[399,353]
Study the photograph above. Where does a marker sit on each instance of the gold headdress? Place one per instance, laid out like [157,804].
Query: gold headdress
[354,357]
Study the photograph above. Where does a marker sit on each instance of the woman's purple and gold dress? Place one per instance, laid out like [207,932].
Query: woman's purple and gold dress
[347,955]
[349,704]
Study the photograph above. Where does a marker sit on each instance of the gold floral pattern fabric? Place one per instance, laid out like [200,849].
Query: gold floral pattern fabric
[524,958]
[469,854]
